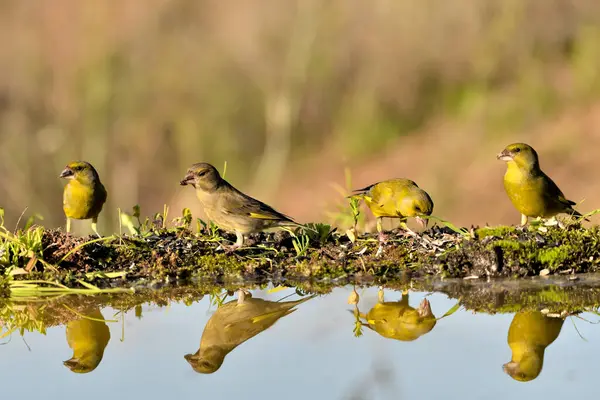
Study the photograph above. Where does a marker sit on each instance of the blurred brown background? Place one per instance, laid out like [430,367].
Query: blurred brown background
[293,93]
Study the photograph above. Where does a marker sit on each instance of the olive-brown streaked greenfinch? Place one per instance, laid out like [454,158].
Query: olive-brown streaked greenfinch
[530,190]
[84,195]
[234,323]
[88,337]
[529,334]
[397,198]
[229,208]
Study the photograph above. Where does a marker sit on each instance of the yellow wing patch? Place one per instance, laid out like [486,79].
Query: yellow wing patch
[272,314]
[260,216]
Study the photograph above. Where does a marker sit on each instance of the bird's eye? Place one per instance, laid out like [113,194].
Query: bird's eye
[517,150]
[202,173]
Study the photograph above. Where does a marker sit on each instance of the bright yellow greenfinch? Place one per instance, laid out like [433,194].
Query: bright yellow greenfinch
[397,198]
[530,190]
[528,336]
[398,320]
[84,195]
[232,324]
[229,208]
[87,337]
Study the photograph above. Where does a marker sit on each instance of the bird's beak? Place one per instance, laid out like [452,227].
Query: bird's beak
[424,309]
[188,179]
[67,172]
[504,156]
[422,222]
[71,363]
[510,367]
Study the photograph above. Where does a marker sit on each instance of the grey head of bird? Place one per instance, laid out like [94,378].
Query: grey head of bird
[81,171]
[523,155]
[202,176]
[206,361]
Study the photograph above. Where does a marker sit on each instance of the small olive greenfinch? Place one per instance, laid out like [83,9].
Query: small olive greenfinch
[398,320]
[530,190]
[529,334]
[229,208]
[84,195]
[88,337]
[397,198]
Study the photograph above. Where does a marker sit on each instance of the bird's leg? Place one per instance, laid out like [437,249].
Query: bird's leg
[407,230]
[523,219]
[382,236]
[240,239]
[68,227]
[241,296]
[238,243]
[380,294]
[95,226]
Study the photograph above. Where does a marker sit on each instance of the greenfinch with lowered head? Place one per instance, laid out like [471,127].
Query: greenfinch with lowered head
[397,198]
[87,337]
[234,323]
[530,333]
[398,320]
[229,208]
[529,189]
[84,195]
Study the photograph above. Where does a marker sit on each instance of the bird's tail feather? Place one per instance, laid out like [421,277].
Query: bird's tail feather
[577,214]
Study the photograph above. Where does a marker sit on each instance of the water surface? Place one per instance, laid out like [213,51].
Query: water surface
[321,350]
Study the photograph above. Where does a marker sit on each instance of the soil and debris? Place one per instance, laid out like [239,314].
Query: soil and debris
[179,256]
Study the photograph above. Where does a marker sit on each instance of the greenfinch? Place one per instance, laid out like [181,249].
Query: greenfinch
[84,195]
[229,208]
[530,190]
[232,324]
[529,334]
[398,320]
[87,337]
[397,198]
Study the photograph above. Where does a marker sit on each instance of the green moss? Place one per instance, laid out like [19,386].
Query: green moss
[497,231]
[554,257]
[506,244]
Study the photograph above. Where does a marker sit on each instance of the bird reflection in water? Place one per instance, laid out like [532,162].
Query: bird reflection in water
[397,319]
[528,336]
[232,324]
[87,337]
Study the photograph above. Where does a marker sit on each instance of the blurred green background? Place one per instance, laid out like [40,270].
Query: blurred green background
[296,96]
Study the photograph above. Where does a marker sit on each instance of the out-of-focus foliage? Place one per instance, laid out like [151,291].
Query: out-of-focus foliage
[143,88]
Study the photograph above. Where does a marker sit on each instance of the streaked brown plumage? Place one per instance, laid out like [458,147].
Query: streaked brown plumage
[234,323]
[229,208]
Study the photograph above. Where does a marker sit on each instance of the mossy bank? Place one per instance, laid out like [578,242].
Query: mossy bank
[180,255]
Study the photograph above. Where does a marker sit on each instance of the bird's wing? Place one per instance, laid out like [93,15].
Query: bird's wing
[237,203]
[553,190]
[103,194]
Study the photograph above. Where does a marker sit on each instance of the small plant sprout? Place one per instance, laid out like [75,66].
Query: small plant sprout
[358,324]
[185,220]
[319,233]
[301,243]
